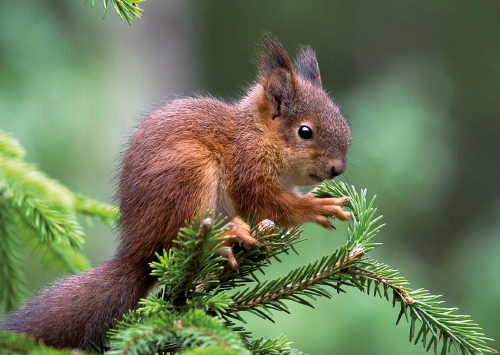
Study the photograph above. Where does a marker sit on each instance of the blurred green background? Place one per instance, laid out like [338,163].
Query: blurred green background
[419,82]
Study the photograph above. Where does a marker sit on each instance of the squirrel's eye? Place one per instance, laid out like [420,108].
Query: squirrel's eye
[305,132]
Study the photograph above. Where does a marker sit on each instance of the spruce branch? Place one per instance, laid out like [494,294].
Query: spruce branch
[274,346]
[194,309]
[303,281]
[20,344]
[10,147]
[172,332]
[349,266]
[41,213]
[12,280]
[193,275]
[51,224]
[445,328]
[15,172]
[102,212]
[124,8]
[273,242]
[210,351]
[55,256]
[193,262]
[309,280]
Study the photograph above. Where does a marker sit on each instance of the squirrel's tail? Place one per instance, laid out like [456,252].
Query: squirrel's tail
[74,312]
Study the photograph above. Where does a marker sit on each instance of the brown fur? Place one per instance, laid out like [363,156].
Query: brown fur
[196,154]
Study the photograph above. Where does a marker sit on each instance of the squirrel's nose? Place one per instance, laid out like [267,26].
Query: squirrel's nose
[338,168]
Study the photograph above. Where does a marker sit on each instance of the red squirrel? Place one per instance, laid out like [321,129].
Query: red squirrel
[196,154]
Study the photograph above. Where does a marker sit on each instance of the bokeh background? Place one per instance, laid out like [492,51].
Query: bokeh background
[418,81]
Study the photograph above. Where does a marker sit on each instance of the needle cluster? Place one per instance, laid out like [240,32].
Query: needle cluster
[124,8]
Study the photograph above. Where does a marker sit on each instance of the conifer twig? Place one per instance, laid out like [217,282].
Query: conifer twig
[279,345]
[124,8]
[294,287]
[103,212]
[12,280]
[50,223]
[349,266]
[20,344]
[42,213]
[172,332]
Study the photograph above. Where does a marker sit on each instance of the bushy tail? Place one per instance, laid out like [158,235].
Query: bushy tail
[74,312]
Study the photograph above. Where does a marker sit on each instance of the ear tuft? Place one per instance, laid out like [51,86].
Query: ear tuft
[306,65]
[270,56]
[276,73]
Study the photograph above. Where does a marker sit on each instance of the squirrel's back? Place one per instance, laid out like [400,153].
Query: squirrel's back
[179,152]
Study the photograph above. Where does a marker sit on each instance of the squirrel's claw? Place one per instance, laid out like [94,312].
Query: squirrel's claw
[239,232]
[334,207]
[330,207]
[231,260]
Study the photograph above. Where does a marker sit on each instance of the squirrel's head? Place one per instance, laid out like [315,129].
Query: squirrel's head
[313,134]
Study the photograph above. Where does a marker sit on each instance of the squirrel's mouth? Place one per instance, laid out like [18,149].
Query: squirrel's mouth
[316,177]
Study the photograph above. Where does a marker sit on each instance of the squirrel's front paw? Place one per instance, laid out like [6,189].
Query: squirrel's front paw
[239,232]
[330,207]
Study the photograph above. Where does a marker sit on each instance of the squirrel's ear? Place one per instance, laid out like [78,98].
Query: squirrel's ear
[276,73]
[306,65]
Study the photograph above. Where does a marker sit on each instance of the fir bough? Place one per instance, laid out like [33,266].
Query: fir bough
[124,8]
[41,213]
[195,283]
[20,344]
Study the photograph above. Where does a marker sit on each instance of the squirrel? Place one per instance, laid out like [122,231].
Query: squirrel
[196,154]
